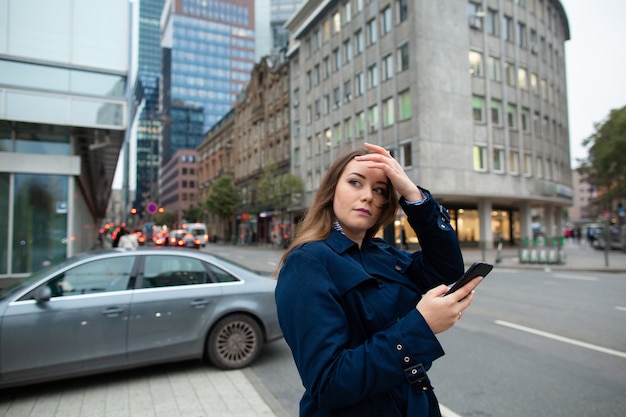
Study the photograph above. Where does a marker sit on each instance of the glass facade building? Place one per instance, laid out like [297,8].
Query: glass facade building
[148,123]
[63,115]
[209,53]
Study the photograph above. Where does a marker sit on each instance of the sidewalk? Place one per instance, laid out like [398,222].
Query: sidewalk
[577,258]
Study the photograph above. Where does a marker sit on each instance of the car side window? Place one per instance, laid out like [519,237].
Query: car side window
[170,270]
[221,275]
[103,275]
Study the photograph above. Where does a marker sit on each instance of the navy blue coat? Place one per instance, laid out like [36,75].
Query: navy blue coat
[350,320]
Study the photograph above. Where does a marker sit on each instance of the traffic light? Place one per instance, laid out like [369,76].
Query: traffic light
[133,211]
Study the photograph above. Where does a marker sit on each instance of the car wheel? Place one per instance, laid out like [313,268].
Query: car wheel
[235,342]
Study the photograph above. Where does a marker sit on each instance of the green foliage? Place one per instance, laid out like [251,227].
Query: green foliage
[166,218]
[605,166]
[224,198]
[276,191]
[193,214]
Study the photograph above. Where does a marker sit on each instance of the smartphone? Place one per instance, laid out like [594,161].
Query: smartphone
[477,269]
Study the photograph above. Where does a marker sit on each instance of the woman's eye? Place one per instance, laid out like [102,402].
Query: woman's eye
[379,190]
[354,182]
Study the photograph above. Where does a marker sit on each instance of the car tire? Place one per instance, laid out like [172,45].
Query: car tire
[234,342]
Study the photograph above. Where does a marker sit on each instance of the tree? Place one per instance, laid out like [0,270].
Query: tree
[276,191]
[605,165]
[192,214]
[224,200]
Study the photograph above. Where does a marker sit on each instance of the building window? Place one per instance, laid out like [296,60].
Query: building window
[509,73]
[406,155]
[403,57]
[528,164]
[496,110]
[480,158]
[402,8]
[336,22]
[347,11]
[474,15]
[492,22]
[359,82]
[498,160]
[360,121]
[347,91]
[387,22]
[336,97]
[372,76]
[337,59]
[348,127]
[476,63]
[358,41]
[525,119]
[507,29]
[387,67]
[372,36]
[347,51]
[388,118]
[326,67]
[521,35]
[539,167]
[374,121]
[511,116]
[514,162]
[405,105]
[534,86]
[522,78]
[494,69]
[478,107]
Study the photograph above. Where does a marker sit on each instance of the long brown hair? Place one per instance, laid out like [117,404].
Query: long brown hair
[318,221]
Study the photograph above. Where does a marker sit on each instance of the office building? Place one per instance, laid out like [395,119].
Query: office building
[469,96]
[146,126]
[63,118]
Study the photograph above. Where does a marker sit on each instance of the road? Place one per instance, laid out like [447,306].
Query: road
[535,342]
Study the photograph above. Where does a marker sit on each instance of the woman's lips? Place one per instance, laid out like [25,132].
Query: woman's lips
[364,211]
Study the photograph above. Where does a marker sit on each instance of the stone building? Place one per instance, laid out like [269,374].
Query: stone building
[469,96]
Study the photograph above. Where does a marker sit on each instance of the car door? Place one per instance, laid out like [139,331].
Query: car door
[82,327]
[171,308]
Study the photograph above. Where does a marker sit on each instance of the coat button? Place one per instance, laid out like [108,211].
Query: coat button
[407,359]
[399,347]
[398,267]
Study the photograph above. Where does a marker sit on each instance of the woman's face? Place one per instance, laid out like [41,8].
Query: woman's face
[359,197]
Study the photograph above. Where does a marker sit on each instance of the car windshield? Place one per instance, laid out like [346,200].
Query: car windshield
[25,282]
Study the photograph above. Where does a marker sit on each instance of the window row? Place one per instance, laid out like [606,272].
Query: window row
[400,105]
[333,25]
[499,163]
[520,77]
[527,122]
[322,71]
[520,35]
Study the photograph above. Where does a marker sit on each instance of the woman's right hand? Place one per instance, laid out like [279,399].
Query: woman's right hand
[441,312]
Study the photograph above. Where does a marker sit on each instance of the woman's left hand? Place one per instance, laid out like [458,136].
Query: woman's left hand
[381,158]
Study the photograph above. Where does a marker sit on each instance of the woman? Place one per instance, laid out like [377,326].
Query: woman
[351,305]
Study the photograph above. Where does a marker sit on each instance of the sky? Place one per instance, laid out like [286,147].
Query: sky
[595,66]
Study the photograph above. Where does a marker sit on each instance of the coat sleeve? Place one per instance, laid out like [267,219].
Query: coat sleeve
[316,327]
[440,259]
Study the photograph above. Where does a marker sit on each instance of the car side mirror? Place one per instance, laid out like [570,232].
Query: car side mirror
[42,294]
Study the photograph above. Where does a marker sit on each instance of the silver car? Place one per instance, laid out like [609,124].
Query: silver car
[124,308]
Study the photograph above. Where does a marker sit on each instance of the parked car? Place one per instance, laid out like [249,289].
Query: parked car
[123,308]
[183,239]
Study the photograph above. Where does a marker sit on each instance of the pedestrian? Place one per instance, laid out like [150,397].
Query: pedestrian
[350,305]
[127,239]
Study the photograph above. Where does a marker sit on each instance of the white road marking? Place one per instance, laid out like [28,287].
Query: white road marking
[578,277]
[618,308]
[562,339]
[446,412]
